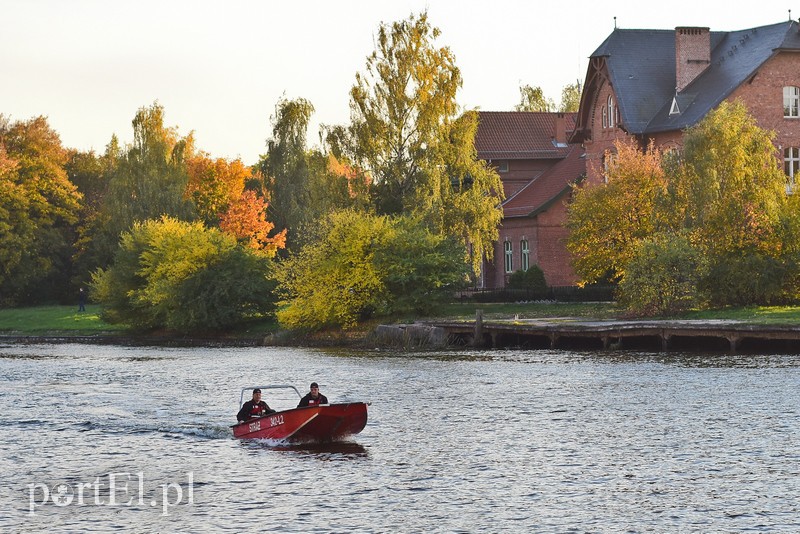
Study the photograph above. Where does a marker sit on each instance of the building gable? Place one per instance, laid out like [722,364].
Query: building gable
[640,65]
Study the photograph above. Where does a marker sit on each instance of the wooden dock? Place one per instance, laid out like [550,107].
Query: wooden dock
[577,334]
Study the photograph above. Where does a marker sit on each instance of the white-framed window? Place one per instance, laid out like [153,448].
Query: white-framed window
[791,165]
[605,117]
[502,166]
[791,102]
[525,254]
[612,114]
[509,256]
[609,158]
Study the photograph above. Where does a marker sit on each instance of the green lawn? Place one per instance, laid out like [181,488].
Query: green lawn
[66,320]
[534,310]
[43,320]
[774,315]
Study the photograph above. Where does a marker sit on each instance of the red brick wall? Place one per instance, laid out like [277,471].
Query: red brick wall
[554,259]
[602,138]
[546,237]
[763,96]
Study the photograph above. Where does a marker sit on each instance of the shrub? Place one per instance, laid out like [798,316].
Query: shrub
[364,265]
[745,279]
[662,277]
[530,280]
[183,276]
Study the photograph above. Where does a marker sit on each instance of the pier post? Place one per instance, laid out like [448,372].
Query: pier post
[477,340]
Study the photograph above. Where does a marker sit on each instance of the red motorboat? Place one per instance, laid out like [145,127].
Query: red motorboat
[309,424]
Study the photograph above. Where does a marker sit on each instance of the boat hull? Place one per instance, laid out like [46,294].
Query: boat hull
[309,424]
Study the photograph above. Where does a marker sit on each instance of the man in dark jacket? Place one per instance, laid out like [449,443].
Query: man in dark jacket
[254,407]
[313,397]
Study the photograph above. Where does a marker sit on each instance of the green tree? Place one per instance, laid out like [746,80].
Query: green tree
[302,184]
[90,173]
[401,108]
[38,208]
[727,188]
[406,135]
[533,99]
[178,275]
[363,265]
[150,178]
[570,98]
[285,167]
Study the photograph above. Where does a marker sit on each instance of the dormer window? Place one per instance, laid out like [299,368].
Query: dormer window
[674,110]
[791,102]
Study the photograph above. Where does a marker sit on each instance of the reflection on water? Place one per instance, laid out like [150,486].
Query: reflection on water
[323,451]
[543,441]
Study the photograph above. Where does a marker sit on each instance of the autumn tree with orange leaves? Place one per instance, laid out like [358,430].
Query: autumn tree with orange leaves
[214,185]
[246,219]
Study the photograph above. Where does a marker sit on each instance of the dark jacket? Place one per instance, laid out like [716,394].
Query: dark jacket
[251,409]
[308,400]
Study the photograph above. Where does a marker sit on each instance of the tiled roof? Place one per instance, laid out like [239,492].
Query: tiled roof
[641,65]
[548,187]
[520,135]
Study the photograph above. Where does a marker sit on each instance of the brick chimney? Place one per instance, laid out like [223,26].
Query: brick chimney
[692,54]
[560,133]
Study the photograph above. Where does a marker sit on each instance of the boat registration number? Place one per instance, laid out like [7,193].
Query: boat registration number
[276,420]
[255,426]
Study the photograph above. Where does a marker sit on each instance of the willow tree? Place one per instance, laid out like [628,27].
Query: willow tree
[150,178]
[533,99]
[570,97]
[285,168]
[407,135]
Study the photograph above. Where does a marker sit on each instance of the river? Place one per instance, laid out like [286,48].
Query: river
[132,439]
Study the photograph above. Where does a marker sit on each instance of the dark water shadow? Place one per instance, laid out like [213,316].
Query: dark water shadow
[336,450]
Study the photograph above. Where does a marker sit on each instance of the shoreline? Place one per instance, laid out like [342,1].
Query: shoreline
[569,333]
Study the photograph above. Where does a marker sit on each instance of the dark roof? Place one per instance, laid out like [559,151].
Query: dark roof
[521,135]
[548,187]
[641,66]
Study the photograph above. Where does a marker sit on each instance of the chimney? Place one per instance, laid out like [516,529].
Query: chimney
[560,134]
[692,54]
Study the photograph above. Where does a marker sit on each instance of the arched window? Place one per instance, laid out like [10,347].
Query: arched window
[509,252]
[525,253]
[609,158]
[791,102]
[791,164]
[612,114]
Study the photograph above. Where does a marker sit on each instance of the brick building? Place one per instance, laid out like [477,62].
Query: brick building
[537,167]
[640,84]
[653,84]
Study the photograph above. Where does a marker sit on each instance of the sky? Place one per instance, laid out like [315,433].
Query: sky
[219,67]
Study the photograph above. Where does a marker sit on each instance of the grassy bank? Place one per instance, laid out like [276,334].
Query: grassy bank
[66,320]
[53,320]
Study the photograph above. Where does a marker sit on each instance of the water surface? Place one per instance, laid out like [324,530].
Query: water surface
[546,441]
